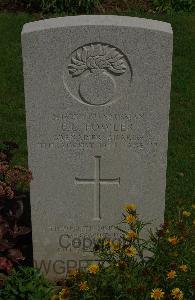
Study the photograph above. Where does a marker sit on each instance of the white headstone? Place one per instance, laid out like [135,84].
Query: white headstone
[97,92]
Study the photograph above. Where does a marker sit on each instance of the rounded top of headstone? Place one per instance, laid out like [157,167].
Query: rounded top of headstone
[97,20]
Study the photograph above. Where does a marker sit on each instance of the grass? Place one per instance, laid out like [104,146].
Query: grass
[12,113]
[180,154]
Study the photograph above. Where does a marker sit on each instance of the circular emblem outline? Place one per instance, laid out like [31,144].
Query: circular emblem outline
[97,63]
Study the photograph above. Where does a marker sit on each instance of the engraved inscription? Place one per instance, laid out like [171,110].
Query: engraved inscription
[97,67]
[82,238]
[98,131]
[97,181]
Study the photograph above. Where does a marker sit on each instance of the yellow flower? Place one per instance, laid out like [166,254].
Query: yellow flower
[73,272]
[131,234]
[93,269]
[193,222]
[175,254]
[83,286]
[157,294]
[55,297]
[130,207]
[183,268]
[173,240]
[116,246]
[186,213]
[171,274]
[64,294]
[177,294]
[131,251]
[193,206]
[107,243]
[130,219]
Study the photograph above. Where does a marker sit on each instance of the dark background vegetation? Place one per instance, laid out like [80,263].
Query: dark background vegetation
[15,13]
[97,6]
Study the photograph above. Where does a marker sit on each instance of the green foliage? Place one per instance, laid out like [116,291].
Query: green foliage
[133,268]
[173,5]
[57,6]
[86,6]
[26,283]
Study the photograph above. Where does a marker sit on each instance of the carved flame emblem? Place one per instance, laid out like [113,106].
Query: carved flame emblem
[97,57]
[97,64]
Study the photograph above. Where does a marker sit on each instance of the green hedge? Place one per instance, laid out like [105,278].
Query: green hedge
[69,6]
[173,5]
[87,6]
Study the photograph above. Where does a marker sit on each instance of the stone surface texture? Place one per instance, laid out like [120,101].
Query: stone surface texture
[97,94]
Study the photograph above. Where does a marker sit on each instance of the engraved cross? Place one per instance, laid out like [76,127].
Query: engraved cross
[97,181]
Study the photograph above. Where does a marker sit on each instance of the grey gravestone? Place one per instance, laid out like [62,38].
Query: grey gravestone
[97,92]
